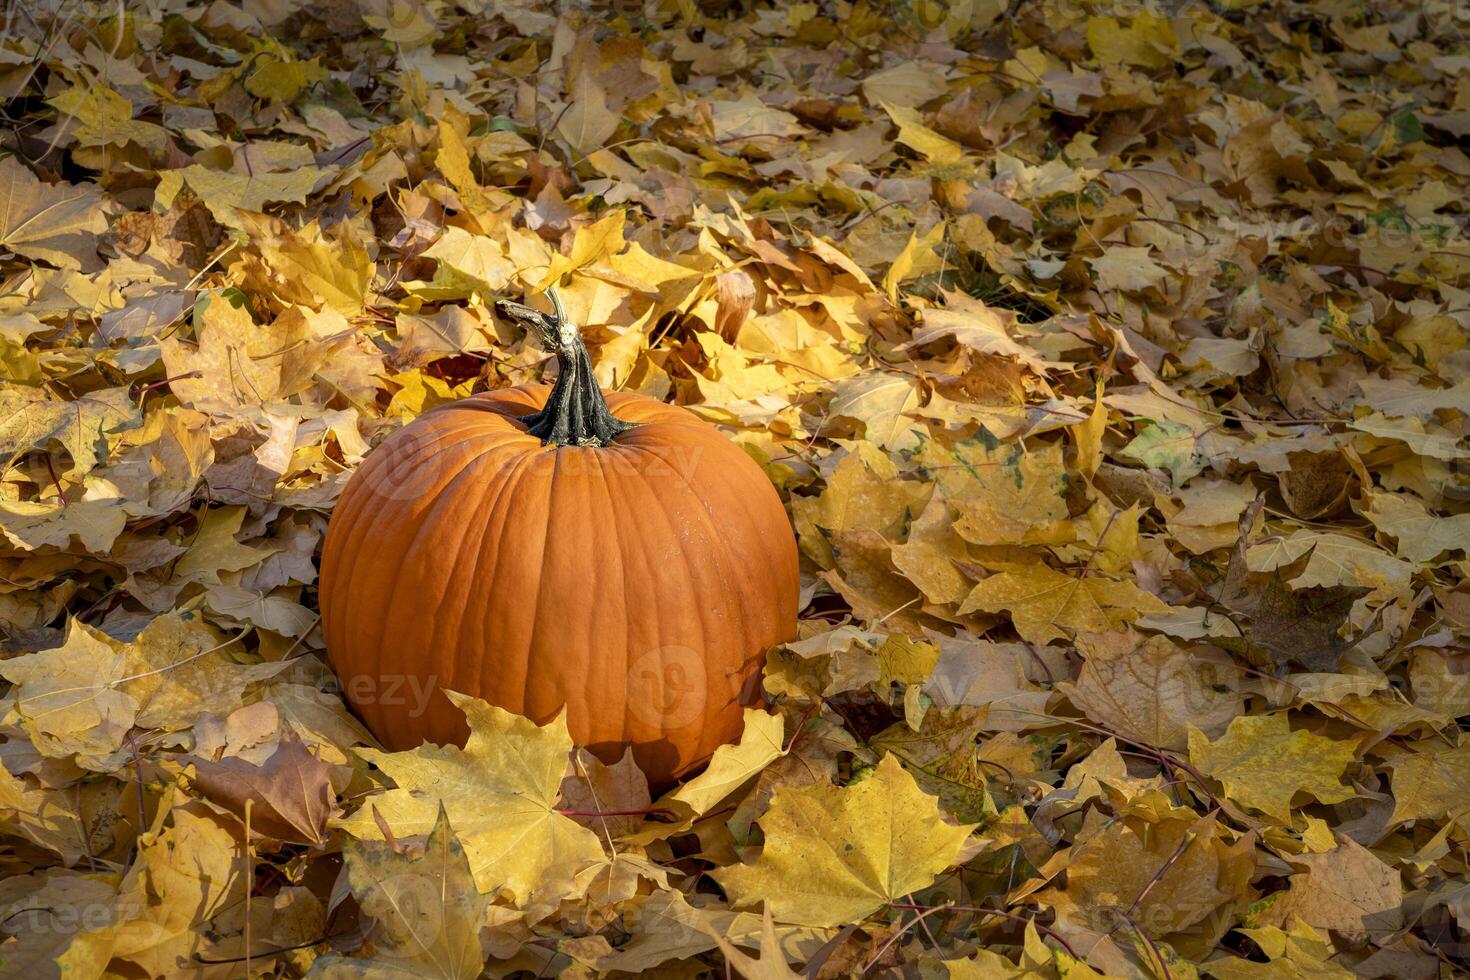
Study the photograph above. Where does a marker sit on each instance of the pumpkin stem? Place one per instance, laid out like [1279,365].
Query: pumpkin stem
[576,413]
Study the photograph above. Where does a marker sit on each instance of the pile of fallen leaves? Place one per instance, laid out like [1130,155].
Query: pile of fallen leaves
[1112,359]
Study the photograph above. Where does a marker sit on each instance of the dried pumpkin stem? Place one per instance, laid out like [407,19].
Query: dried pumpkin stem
[576,413]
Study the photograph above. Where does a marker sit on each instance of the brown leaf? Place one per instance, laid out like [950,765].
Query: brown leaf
[600,796]
[1347,890]
[288,796]
[1150,689]
[1317,485]
[1287,625]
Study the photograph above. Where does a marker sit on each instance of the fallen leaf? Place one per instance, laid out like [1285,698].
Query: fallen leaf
[1046,604]
[288,796]
[1263,763]
[834,854]
[501,788]
[1348,890]
[57,223]
[428,909]
[1430,784]
[1149,689]
[762,741]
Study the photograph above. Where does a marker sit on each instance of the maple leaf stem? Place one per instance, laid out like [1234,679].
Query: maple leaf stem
[142,801]
[800,725]
[916,920]
[60,490]
[920,920]
[659,810]
[1154,954]
[142,390]
[1163,869]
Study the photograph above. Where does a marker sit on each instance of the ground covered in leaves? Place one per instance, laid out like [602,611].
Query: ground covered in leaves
[1111,359]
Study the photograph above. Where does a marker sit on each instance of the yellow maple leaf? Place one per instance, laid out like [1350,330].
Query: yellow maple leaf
[913,133]
[1127,268]
[499,791]
[1177,874]
[453,161]
[97,116]
[1431,784]
[917,258]
[66,698]
[468,264]
[592,243]
[308,267]
[1421,536]
[1336,559]
[185,873]
[1047,605]
[837,854]
[1263,763]
[1004,493]
[885,404]
[214,548]
[590,117]
[44,816]
[1148,42]
[235,361]
[770,965]
[223,191]
[427,912]
[55,222]
[760,743]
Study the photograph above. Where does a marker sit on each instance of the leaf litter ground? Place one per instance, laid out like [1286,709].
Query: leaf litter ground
[1112,359]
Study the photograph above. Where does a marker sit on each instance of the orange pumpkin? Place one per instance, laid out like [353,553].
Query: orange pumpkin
[546,547]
